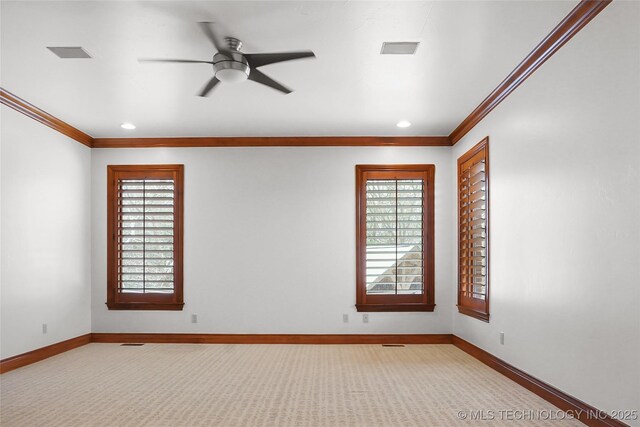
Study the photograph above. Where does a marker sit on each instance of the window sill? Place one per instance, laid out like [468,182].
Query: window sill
[144,306]
[395,307]
[473,313]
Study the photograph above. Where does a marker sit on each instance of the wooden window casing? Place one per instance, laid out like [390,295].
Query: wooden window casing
[412,288]
[473,232]
[145,237]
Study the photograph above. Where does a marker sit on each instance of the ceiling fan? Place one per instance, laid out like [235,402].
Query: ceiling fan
[230,65]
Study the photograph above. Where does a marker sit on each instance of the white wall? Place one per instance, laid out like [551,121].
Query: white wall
[270,238]
[269,243]
[46,235]
[565,209]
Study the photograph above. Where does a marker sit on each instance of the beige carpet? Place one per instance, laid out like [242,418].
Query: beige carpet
[261,385]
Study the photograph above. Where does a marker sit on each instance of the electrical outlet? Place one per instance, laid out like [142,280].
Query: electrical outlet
[365,318]
[194,318]
[345,318]
[44,328]
[502,338]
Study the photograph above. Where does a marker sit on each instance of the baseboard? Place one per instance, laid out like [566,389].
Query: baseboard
[39,354]
[15,362]
[273,338]
[580,410]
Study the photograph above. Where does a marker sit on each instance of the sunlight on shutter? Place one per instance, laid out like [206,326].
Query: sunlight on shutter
[394,246]
[472,231]
[473,190]
[145,236]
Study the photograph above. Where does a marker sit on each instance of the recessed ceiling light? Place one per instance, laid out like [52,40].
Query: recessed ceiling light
[403,124]
[128,126]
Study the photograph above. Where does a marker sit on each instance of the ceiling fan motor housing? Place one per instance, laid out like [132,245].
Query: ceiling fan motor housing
[231,67]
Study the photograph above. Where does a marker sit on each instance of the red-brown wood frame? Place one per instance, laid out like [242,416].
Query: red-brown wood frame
[144,301]
[577,19]
[276,141]
[35,113]
[425,301]
[580,16]
[582,411]
[472,306]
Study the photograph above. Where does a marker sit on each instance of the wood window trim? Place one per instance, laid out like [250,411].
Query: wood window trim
[478,309]
[396,303]
[120,301]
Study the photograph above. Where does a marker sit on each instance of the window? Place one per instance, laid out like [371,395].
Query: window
[394,223]
[473,232]
[144,249]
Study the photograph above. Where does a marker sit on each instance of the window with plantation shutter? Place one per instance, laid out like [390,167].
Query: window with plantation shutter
[473,232]
[395,269]
[145,237]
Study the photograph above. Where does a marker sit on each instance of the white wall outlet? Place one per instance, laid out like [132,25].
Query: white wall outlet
[365,318]
[194,318]
[44,328]
[502,338]
[345,318]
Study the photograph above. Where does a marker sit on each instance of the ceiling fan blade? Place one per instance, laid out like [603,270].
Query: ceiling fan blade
[187,61]
[259,77]
[209,86]
[259,59]
[212,35]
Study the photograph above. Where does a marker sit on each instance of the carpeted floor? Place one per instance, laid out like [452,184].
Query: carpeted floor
[264,385]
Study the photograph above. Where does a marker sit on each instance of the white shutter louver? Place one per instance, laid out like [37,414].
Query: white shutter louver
[145,245]
[145,235]
[394,237]
[394,246]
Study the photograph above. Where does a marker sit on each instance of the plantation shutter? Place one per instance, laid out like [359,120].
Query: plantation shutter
[145,230]
[473,190]
[394,242]
[145,235]
[394,246]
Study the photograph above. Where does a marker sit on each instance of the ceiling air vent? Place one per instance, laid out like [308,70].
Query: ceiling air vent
[69,52]
[399,48]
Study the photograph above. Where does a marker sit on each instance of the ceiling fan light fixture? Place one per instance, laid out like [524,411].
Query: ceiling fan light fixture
[231,71]
[230,65]
[231,76]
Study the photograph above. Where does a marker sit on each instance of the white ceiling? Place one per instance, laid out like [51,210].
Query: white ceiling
[466,49]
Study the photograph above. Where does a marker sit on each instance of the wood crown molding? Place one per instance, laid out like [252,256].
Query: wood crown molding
[580,16]
[24,359]
[289,141]
[30,110]
[584,412]
[273,338]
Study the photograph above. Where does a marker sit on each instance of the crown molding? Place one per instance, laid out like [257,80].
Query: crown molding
[289,141]
[580,16]
[30,110]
